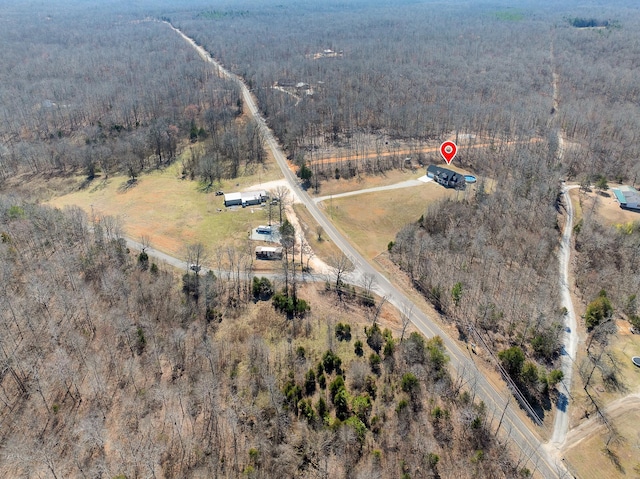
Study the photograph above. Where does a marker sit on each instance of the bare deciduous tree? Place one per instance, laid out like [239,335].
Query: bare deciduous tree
[340,265]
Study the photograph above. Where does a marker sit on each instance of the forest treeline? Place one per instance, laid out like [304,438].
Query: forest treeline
[114,95]
[412,72]
[608,259]
[395,76]
[406,72]
[488,263]
[110,366]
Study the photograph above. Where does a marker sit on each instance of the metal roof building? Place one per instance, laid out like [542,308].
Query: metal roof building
[245,199]
[627,197]
[232,199]
[268,252]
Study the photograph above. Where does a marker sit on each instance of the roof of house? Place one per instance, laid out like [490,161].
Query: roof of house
[619,195]
[246,195]
[232,196]
[286,82]
[626,194]
[268,249]
[253,195]
[445,173]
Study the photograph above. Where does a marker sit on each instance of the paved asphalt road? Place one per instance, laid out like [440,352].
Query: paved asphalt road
[539,461]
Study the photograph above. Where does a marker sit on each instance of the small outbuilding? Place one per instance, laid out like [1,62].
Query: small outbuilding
[286,83]
[447,178]
[254,197]
[268,252]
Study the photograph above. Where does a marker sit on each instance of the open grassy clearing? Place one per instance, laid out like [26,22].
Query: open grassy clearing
[589,459]
[334,187]
[324,248]
[173,212]
[391,177]
[605,207]
[623,345]
[371,220]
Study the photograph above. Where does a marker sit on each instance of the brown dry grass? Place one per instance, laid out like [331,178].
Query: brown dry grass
[605,207]
[324,248]
[589,459]
[335,187]
[172,212]
[587,456]
[316,333]
[371,220]
[623,345]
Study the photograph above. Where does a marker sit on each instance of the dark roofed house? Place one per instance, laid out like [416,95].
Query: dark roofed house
[268,252]
[447,178]
[286,83]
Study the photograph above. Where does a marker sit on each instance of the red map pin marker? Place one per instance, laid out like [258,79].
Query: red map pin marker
[448,151]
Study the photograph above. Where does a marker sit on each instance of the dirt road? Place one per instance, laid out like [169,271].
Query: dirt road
[593,425]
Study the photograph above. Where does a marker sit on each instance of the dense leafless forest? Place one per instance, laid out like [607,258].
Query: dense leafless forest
[411,71]
[87,94]
[111,369]
[114,367]
[488,263]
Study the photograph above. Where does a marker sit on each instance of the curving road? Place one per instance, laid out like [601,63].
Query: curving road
[538,460]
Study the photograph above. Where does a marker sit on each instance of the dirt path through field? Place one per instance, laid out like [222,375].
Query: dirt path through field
[407,151]
[616,409]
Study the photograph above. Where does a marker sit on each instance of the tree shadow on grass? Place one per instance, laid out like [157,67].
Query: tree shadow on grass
[127,185]
[613,457]
[99,186]
[205,187]
[89,180]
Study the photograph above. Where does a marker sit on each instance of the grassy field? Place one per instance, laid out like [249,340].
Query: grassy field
[623,345]
[172,212]
[371,220]
[604,206]
[589,459]
[323,248]
[335,187]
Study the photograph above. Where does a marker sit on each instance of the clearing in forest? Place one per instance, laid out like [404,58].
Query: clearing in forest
[171,211]
[590,456]
[371,220]
[605,207]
